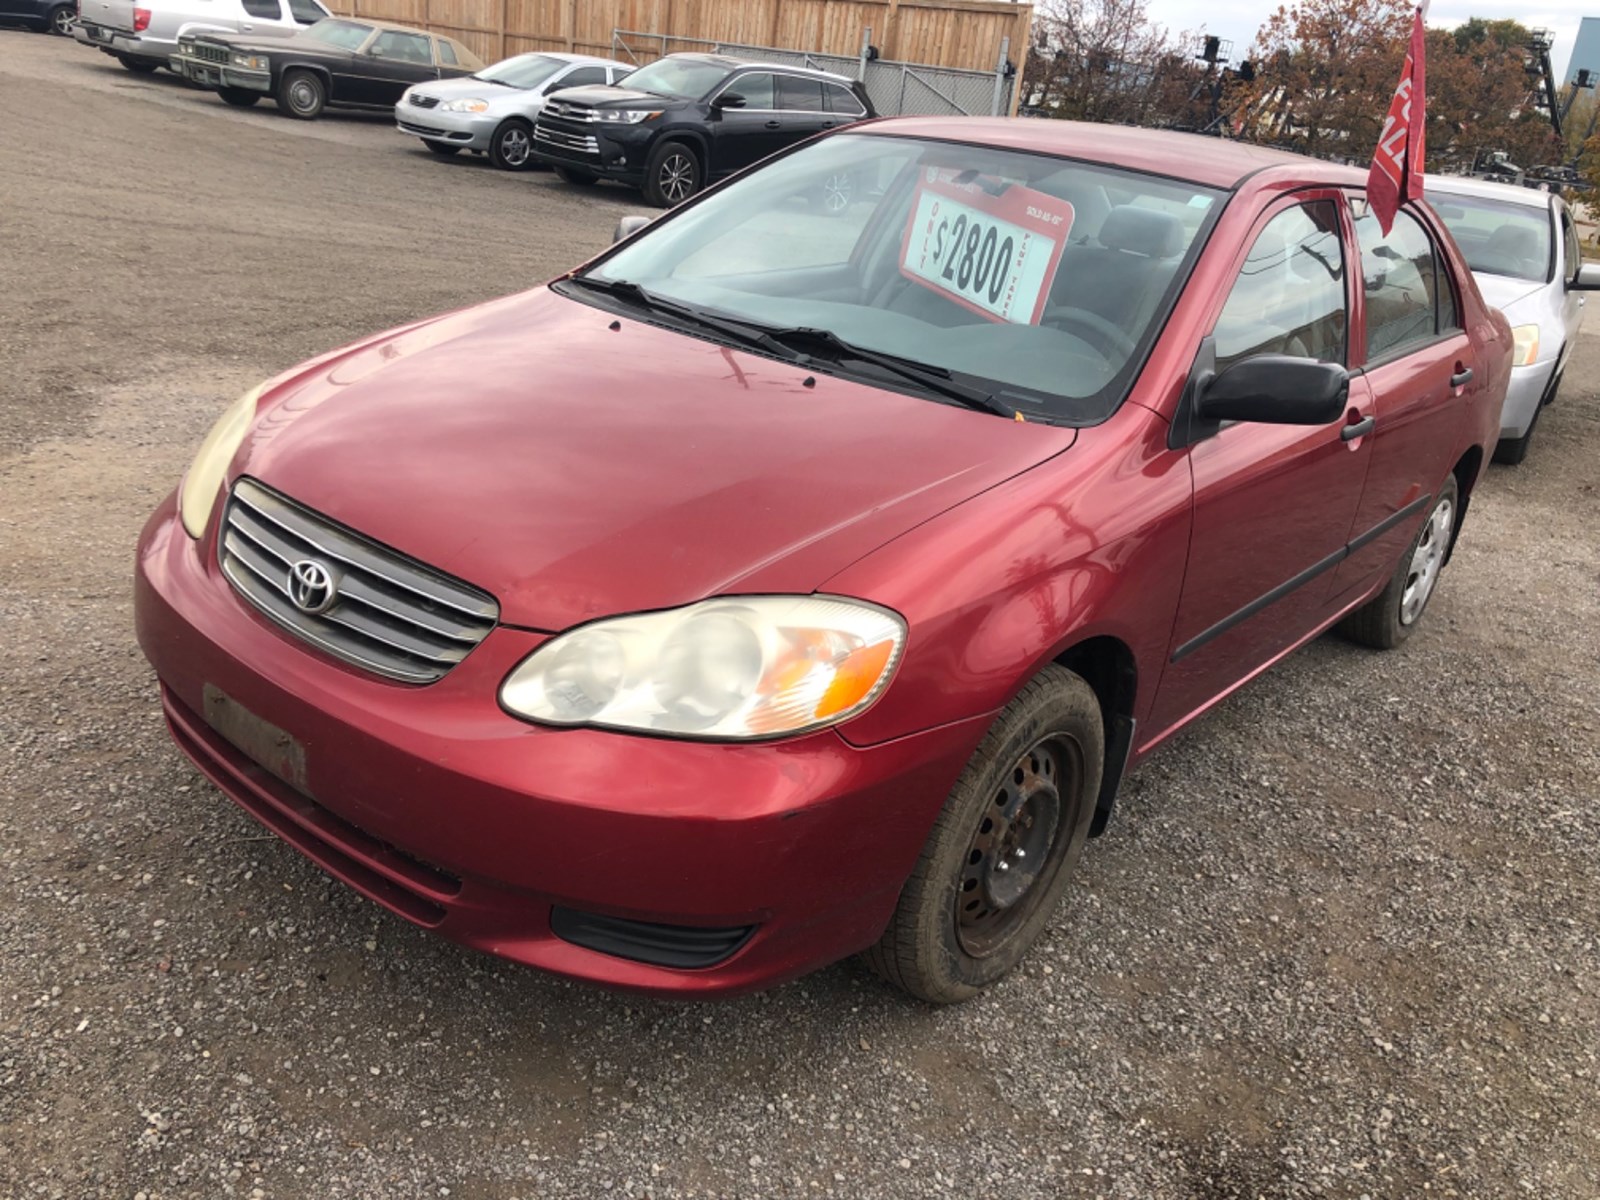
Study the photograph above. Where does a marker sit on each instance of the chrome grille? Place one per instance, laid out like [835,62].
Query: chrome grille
[391,615]
[565,140]
[209,52]
[571,112]
[422,101]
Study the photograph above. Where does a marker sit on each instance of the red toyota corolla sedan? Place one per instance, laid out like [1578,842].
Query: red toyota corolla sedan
[791,582]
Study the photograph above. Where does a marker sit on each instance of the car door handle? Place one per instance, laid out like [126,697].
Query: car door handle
[1462,377]
[247,28]
[1356,428]
[774,124]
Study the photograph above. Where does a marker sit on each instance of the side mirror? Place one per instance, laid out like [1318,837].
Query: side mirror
[728,100]
[629,226]
[1588,279]
[1276,389]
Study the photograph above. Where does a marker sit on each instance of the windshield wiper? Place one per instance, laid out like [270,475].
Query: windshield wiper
[738,331]
[780,344]
[926,375]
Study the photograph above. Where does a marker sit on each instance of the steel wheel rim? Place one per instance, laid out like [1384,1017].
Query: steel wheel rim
[1427,560]
[63,21]
[514,146]
[1019,845]
[677,177]
[836,192]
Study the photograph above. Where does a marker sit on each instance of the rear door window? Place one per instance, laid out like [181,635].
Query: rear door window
[305,12]
[1289,296]
[841,99]
[265,10]
[447,53]
[1406,288]
[799,95]
[402,47]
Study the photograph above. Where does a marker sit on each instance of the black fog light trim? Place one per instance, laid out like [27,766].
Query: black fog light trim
[682,946]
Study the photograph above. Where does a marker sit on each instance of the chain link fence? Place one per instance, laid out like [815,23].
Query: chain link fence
[896,88]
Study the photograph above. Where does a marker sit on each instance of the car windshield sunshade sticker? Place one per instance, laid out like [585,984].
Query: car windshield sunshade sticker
[991,246]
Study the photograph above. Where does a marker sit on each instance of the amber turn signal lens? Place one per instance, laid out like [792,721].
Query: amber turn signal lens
[854,679]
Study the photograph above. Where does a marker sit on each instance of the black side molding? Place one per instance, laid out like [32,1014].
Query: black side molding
[1304,577]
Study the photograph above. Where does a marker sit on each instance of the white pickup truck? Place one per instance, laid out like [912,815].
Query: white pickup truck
[143,34]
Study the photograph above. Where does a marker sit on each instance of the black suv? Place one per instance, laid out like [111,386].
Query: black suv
[688,119]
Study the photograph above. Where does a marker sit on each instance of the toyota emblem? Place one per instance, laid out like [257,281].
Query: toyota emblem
[311,586]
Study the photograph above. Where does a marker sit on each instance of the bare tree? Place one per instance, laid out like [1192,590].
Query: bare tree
[1102,60]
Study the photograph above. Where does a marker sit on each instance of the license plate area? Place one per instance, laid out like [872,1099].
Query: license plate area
[263,743]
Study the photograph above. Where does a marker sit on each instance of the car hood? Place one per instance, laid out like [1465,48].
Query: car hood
[575,470]
[496,94]
[601,95]
[1503,292]
[267,43]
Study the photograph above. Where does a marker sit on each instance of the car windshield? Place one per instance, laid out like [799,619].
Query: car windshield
[1033,281]
[1498,239]
[524,71]
[347,35]
[689,78]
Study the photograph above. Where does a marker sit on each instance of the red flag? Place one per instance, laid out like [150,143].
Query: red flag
[1396,173]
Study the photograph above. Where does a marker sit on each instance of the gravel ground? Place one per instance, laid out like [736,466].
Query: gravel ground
[1340,941]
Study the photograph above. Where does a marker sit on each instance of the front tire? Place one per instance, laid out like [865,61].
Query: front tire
[576,175]
[238,97]
[672,175]
[1003,849]
[303,95]
[511,145]
[1390,617]
[60,19]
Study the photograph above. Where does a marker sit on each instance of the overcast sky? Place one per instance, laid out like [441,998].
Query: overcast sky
[1239,19]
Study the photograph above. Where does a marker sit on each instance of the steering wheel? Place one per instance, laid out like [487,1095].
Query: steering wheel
[1104,335]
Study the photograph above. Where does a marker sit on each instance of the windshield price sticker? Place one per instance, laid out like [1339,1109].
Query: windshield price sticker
[996,255]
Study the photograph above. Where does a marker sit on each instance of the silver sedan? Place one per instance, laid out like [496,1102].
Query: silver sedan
[1522,246]
[493,111]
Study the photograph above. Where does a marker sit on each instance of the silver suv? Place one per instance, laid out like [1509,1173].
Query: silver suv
[143,34]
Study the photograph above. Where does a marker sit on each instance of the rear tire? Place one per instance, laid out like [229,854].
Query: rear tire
[576,175]
[511,144]
[238,97]
[1389,618]
[672,175]
[60,20]
[302,95]
[1003,849]
[443,149]
[137,65]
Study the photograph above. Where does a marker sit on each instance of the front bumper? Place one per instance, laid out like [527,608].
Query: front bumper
[443,808]
[616,152]
[214,75]
[1524,394]
[124,45]
[471,131]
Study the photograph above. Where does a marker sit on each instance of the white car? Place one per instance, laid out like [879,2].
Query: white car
[143,34]
[493,111]
[1522,246]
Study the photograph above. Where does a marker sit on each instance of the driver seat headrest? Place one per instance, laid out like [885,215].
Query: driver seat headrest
[1144,231]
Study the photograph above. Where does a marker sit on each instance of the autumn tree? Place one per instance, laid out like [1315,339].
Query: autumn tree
[1325,72]
[1481,97]
[1102,60]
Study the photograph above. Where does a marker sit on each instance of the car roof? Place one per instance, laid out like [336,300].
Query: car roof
[724,60]
[1488,189]
[1211,161]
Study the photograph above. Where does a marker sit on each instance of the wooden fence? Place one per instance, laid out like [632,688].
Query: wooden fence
[946,33]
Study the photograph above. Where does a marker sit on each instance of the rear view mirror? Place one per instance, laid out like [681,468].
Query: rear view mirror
[629,226]
[1276,389]
[1588,279]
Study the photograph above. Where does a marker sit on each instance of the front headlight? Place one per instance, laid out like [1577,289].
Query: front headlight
[198,492]
[250,62]
[472,104]
[742,667]
[626,116]
[1524,345]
